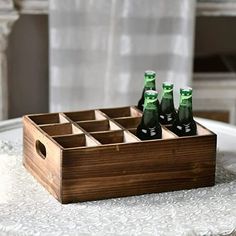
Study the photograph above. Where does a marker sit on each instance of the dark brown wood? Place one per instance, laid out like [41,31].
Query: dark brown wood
[102,160]
[129,122]
[109,137]
[98,125]
[85,115]
[46,169]
[71,141]
[122,112]
[61,129]
[52,118]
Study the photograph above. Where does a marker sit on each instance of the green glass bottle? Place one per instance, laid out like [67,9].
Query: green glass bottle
[149,84]
[167,108]
[149,127]
[184,124]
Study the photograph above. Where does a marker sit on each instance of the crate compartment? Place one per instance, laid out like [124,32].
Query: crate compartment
[61,129]
[53,118]
[201,130]
[101,125]
[132,130]
[122,112]
[166,134]
[112,137]
[75,141]
[85,115]
[129,122]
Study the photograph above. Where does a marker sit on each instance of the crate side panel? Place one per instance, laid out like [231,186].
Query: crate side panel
[47,171]
[133,169]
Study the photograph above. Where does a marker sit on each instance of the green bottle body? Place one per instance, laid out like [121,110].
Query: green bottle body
[149,127]
[149,84]
[184,124]
[167,108]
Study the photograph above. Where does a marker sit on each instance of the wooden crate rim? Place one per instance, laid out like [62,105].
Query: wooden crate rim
[106,117]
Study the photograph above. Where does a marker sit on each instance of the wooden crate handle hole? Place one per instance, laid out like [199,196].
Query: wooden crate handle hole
[41,149]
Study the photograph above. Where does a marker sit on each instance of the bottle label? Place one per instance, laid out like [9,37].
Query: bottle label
[152,131]
[185,127]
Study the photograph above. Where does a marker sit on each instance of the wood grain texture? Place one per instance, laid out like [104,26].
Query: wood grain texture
[115,163]
[57,129]
[129,122]
[85,115]
[125,170]
[52,118]
[121,112]
[98,125]
[46,170]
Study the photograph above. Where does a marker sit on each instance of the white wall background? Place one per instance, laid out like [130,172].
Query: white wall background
[100,49]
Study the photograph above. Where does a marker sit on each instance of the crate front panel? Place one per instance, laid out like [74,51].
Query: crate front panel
[95,154]
[133,169]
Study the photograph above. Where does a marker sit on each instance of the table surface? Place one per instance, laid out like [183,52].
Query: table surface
[27,209]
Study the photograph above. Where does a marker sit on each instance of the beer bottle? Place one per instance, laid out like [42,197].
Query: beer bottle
[149,127]
[184,124]
[167,109]
[149,84]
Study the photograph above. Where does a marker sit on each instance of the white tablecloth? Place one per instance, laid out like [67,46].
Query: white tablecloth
[26,208]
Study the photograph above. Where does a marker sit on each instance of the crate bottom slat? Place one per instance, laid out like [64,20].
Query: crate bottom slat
[146,188]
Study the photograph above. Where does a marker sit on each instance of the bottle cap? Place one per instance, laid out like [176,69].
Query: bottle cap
[167,85]
[150,74]
[150,99]
[187,91]
[151,95]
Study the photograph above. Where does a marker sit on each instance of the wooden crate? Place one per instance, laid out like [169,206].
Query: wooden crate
[94,154]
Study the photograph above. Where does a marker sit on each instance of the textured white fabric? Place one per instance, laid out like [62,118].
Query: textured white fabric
[27,209]
[100,49]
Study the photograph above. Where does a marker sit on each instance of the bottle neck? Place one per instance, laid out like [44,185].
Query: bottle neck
[185,109]
[168,93]
[150,114]
[167,100]
[149,84]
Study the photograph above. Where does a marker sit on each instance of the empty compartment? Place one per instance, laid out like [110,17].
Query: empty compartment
[53,118]
[122,112]
[101,125]
[201,130]
[112,137]
[85,115]
[132,130]
[74,141]
[129,122]
[61,129]
[167,134]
